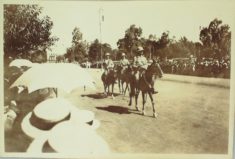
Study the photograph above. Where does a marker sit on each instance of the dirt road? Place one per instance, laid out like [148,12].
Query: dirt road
[192,119]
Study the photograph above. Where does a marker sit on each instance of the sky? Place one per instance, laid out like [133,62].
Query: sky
[154,17]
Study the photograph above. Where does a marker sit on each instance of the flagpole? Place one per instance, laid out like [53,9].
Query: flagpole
[100,23]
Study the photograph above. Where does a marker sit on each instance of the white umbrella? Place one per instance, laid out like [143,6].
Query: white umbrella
[21,62]
[66,76]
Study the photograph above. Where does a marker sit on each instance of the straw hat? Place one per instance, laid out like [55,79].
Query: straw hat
[45,115]
[123,54]
[79,116]
[69,138]
[107,54]
[53,111]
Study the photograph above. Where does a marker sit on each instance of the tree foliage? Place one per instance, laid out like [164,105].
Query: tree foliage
[95,50]
[25,30]
[161,44]
[182,48]
[131,40]
[216,39]
[78,50]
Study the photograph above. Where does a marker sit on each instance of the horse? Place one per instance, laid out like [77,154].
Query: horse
[143,84]
[109,78]
[123,75]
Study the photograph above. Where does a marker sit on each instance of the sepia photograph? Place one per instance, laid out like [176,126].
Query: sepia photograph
[117,78]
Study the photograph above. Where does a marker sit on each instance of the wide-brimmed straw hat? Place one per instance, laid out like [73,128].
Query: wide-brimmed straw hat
[107,54]
[51,112]
[69,138]
[123,54]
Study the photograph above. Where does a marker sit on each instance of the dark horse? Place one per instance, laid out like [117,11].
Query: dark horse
[143,84]
[123,75]
[109,78]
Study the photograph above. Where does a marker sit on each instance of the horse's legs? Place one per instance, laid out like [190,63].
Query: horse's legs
[119,85]
[108,89]
[131,93]
[126,88]
[153,105]
[105,87]
[122,85]
[136,100]
[112,90]
[130,102]
[144,101]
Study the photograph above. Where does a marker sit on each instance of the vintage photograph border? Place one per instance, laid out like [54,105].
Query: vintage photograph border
[139,155]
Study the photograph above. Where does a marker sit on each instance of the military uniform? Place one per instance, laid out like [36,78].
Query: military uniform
[108,65]
[124,63]
[141,62]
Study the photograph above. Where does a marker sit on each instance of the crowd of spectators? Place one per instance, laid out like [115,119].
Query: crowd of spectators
[204,68]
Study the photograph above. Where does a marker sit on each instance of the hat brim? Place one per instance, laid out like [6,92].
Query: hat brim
[75,114]
[29,129]
[37,144]
[34,132]
[100,145]
[95,124]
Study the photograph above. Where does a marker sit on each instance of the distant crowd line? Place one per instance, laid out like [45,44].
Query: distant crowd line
[202,68]
[205,67]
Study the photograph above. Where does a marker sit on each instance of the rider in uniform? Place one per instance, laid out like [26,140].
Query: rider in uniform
[108,63]
[141,64]
[124,61]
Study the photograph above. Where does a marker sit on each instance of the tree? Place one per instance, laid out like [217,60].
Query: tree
[107,48]
[77,52]
[25,30]
[216,40]
[131,40]
[95,50]
[150,42]
[161,44]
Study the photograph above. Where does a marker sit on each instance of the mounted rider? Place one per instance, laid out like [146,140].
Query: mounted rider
[140,64]
[124,62]
[108,63]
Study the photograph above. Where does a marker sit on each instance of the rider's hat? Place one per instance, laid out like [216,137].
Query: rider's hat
[140,48]
[107,54]
[123,54]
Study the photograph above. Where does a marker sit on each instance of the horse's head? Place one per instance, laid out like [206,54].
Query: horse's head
[155,69]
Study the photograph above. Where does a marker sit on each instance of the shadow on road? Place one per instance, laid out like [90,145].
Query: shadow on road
[98,95]
[115,109]
[95,96]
